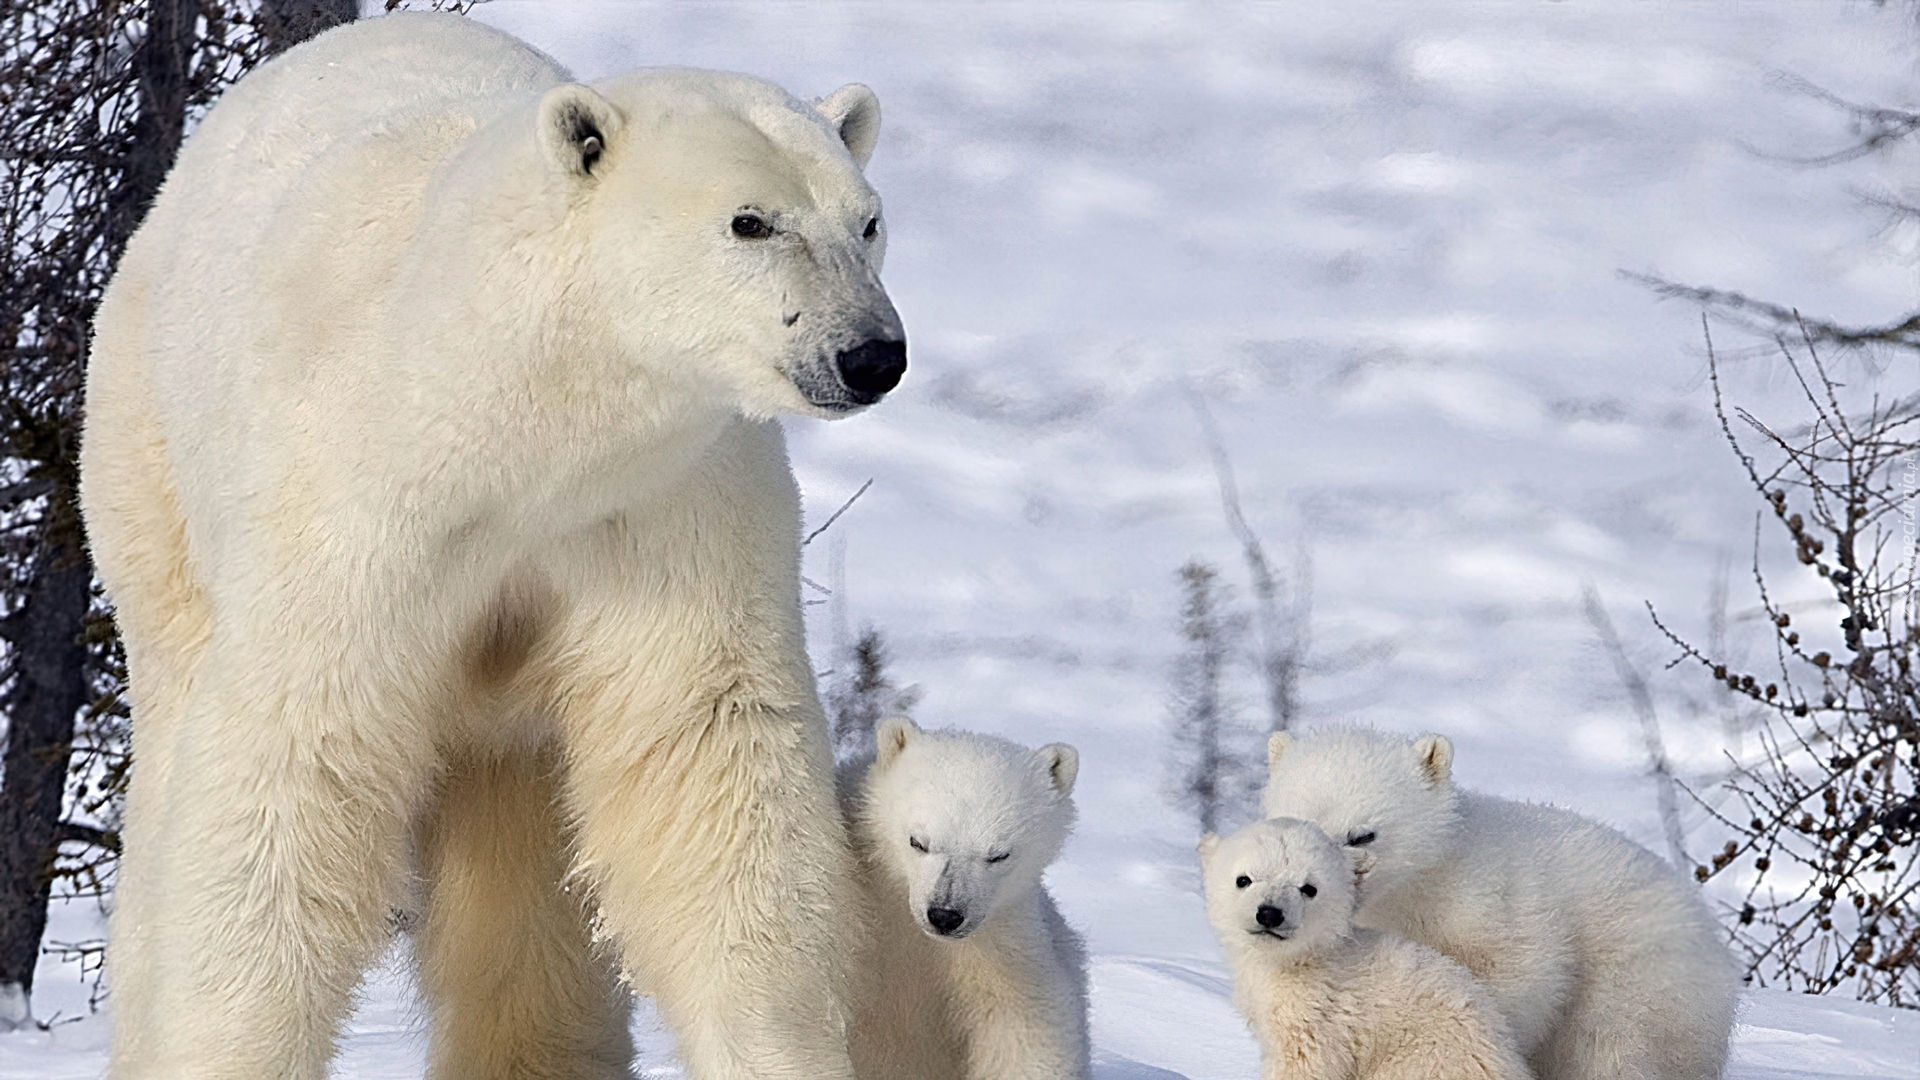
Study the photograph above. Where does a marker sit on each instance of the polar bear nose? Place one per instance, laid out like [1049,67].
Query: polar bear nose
[945,920]
[1269,916]
[873,368]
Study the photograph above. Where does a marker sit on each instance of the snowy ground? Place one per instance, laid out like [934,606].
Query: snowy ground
[1382,241]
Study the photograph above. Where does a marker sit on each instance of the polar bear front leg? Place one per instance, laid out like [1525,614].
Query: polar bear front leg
[1018,1004]
[706,822]
[512,982]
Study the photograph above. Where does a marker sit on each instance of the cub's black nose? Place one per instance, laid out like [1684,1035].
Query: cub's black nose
[945,920]
[1269,916]
[872,368]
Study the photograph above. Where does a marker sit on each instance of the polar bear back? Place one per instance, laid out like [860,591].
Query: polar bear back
[1555,912]
[307,185]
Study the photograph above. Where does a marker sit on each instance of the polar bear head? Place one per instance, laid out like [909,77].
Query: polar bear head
[723,232]
[1389,799]
[1278,886]
[966,822]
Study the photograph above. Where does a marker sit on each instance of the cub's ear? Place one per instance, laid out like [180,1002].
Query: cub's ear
[1208,845]
[855,113]
[892,736]
[576,124]
[1277,744]
[1435,755]
[1062,763]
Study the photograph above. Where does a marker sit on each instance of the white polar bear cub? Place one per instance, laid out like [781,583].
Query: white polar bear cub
[1328,1002]
[431,463]
[971,973]
[1605,962]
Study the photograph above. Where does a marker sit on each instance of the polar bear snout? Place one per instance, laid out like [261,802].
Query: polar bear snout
[1269,917]
[945,921]
[872,368]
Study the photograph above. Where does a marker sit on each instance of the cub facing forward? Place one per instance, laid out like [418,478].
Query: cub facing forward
[1328,1002]
[970,972]
[1605,962]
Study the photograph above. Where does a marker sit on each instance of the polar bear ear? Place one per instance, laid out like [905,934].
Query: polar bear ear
[1062,763]
[855,113]
[892,736]
[1435,755]
[1208,845]
[1277,744]
[575,125]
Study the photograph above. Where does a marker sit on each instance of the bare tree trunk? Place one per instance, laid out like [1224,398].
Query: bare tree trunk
[290,22]
[49,687]
[160,69]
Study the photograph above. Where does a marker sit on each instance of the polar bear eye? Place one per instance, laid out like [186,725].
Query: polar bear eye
[916,844]
[1242,881]
[1309,891]
[751,227]
[873,228]
[1360,839]
[1000,857]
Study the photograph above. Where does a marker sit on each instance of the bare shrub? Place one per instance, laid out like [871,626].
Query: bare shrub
[860,694]
[1825,839]
[1213,774]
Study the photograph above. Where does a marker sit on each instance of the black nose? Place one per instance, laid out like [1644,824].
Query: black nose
[1269,916]
[945,920]
[873,368]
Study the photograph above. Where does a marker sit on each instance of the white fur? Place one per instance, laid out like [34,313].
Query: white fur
[1002,994]
[1605,962]
[429,464]
[1328,1002]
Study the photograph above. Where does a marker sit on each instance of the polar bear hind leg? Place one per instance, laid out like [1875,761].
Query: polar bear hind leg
[1678,1031]
[512,981]
[282,859]
[139,543]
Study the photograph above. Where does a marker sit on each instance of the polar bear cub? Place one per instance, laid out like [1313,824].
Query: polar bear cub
[1328,1002]
[970,973]
[1605,962]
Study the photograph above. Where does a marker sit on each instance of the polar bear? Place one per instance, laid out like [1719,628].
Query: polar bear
[1326,1001]
[1604,961]
[970,972]
[431,463]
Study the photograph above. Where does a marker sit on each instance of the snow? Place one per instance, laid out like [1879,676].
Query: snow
[1381,240]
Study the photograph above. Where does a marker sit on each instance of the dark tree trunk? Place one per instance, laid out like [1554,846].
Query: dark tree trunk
[161,66]
[290,22]
[49,687]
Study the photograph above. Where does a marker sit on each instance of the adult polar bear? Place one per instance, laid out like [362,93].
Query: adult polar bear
[430,465]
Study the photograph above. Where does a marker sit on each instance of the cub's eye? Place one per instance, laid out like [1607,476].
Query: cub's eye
[873,228]
[916,844]
[1001,857]
[1360,839]
[1309,891]
[1242,881]
[751,227]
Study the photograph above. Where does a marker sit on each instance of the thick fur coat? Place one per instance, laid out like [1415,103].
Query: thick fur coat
[430,463]
[1325,1001]
[1605,962]
[970,972]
